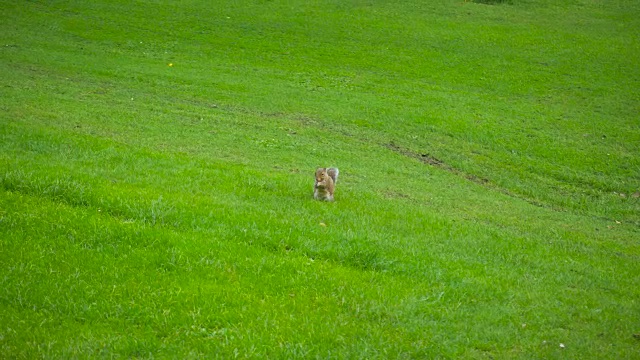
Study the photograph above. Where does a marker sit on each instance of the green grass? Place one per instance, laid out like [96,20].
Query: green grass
[157,160]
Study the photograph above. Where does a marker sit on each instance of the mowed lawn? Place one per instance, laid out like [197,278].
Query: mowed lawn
[156,173]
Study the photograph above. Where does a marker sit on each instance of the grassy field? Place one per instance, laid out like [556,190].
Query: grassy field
[157,160]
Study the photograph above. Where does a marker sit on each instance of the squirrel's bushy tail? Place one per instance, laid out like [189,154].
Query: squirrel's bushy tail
[333,172]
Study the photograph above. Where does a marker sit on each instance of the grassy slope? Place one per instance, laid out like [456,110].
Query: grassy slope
[174,201]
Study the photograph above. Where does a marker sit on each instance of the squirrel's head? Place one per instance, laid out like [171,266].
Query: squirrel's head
[321,174]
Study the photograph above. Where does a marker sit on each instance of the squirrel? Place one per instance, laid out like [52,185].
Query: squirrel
[325,185]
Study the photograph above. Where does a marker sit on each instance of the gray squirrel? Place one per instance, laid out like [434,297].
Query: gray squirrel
[325,184]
